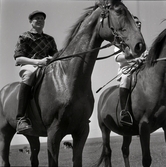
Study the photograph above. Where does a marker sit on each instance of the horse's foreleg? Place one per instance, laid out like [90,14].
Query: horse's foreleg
[79,139]
[35,148]
[6,136]
[144,131]
[164,129]
[55,136]
[125,149]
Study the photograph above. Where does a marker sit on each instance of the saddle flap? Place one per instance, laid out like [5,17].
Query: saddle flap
[33,112]
[38,79]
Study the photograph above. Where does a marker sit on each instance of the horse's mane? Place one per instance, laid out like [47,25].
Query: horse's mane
[88,12]
[156,48]
[74,29]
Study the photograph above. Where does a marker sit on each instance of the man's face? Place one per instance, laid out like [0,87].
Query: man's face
[38,21]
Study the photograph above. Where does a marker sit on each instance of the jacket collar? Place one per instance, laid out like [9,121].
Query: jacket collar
[33,31]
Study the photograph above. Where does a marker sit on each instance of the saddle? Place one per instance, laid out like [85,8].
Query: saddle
[33,109]
[38,79]
[134,70]
[134,77]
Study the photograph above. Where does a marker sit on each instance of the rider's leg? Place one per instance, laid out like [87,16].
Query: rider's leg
[23,99]
[27,74]
[125,115]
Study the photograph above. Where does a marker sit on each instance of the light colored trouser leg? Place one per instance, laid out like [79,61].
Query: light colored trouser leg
[125,81]
[27,73]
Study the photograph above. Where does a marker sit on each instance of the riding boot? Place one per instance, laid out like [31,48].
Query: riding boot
[23,123]
[125,116]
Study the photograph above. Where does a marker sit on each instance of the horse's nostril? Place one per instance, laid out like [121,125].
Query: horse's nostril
[139,47]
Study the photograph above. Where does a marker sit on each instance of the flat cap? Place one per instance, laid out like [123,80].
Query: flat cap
[35,13]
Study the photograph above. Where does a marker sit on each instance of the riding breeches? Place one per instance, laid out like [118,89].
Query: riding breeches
[27,73]
[125,81]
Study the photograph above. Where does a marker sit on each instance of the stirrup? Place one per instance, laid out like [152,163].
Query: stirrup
[23,125]
[126,122]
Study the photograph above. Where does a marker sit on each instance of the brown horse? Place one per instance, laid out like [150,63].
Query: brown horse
[64,98]
[148,106]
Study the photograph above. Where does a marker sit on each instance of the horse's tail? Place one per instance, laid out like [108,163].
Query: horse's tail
[103,158]
[100,160]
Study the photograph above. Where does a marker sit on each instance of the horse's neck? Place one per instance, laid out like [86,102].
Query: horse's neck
[81,67]
[153,78]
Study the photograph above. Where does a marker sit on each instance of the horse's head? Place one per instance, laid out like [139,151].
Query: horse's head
[118,26]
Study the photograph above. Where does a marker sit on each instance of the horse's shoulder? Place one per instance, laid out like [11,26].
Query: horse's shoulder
[109,92]
[11,87]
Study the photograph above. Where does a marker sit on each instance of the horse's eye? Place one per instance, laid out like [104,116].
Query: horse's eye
[118,9]
[119,12]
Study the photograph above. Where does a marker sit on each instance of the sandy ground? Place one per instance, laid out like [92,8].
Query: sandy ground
[20,157]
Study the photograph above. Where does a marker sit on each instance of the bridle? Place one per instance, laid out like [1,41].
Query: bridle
[118,39]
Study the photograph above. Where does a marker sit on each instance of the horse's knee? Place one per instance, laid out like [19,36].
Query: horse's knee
[3,162]
[125,151]
[126,145]
[144,121]
[144,125]
[145,142]
[34,157]
[107,151]
[146,161]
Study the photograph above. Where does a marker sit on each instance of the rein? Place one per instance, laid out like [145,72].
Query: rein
[78,54]
[105,57]
[160,59]
[118,40]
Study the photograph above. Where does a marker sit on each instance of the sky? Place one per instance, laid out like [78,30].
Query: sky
[61,15]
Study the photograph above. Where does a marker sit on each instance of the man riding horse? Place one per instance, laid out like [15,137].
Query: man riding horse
[33,49]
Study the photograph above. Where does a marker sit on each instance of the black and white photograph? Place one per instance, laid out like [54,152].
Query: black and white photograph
[82,83]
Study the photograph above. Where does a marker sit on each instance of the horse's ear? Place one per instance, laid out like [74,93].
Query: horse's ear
[114,1]
[111,2]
